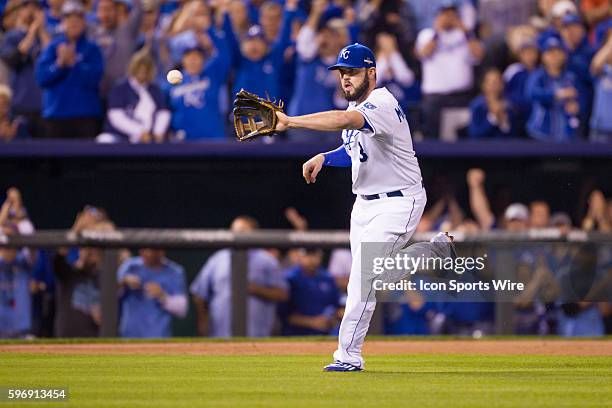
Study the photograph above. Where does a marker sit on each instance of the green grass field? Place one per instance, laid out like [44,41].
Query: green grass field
[281,381]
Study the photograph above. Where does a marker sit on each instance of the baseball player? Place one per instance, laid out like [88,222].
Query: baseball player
[386,180]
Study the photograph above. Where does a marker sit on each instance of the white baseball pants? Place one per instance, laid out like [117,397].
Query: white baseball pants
[390,220]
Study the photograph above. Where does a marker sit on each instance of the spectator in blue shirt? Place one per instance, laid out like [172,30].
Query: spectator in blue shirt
[408,313]
[601,119]
[515,78]
[19,49]
[258,65]
[318,44]
[137,109]
[15,298]
[11,128]
[53,17]
[153,291]
[492,117]
[467,318]
[212,290]
[69,71]
[553,90]
[314,298]
[577,316]
[579,57]
[196,113]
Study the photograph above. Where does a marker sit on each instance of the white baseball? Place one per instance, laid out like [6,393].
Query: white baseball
[174,77]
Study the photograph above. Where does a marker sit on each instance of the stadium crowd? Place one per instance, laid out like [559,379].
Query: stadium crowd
[485,69]
[56,292]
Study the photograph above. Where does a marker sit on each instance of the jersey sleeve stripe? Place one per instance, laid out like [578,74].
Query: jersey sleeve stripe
[369,123]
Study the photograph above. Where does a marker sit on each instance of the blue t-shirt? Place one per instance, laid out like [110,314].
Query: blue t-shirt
[262,77]
[515,91]
[310,296]
[601,119]
[15,300]
[194,103]
[142,316]
[314,87]
[27,94]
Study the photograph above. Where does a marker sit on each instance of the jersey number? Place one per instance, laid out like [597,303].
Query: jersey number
[362,154]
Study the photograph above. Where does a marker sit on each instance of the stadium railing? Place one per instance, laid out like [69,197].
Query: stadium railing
[112,241]
[282,149]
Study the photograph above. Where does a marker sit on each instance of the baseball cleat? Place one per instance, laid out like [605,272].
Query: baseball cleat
[339,366]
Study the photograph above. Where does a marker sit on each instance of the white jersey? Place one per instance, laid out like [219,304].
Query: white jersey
[383,159]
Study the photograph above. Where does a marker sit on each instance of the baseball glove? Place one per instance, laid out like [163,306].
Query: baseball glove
[254,116]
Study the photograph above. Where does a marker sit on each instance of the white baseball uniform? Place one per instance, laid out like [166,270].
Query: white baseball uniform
[383,164]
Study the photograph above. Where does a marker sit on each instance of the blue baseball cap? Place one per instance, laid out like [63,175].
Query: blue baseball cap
[447,5]
[255,31]
[552,43]
[355,56]
[570,19]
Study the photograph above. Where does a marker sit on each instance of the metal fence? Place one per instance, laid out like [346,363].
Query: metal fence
[112,241]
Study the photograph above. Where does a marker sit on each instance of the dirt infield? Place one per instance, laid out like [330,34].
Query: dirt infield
[374,347]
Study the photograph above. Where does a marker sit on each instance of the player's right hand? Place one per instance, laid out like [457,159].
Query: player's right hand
[312,167]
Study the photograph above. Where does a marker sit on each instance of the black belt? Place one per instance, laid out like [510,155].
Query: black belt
[370,197]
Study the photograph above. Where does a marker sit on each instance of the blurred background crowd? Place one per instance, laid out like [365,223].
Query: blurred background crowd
[483,69]
[300,292]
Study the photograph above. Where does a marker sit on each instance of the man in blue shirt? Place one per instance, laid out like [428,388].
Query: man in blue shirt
[212,290]
[19,49]
[601,68]
[69,71]
[15,299]
[258,65]
[314,298]
[491,114]
[556,99]
[515,79]
[579,56]
[194,103]
[318,45]
[53,17]
[153,290]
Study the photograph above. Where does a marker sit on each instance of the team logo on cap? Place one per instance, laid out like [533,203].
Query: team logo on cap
[345,54]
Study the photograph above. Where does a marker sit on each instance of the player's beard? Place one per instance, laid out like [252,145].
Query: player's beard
[360,91]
